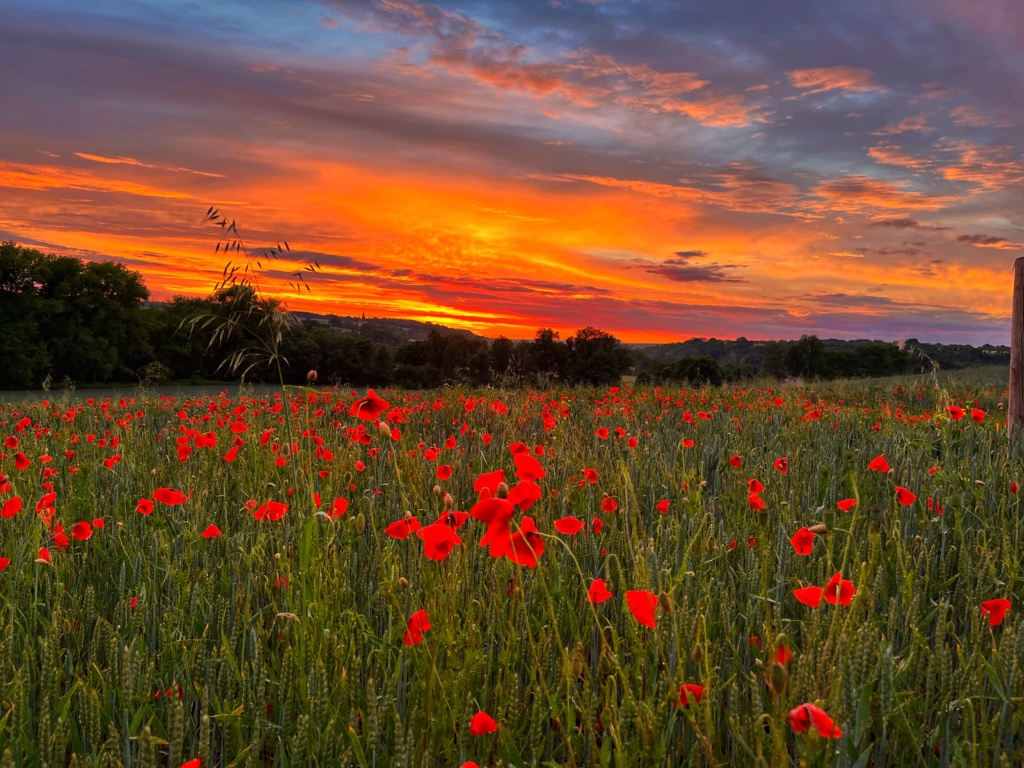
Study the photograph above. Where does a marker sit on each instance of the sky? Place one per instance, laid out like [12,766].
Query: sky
[659,170]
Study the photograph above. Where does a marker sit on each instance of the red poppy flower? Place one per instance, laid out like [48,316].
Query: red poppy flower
[482,723]
[519,447]
[783,654]
[528,468]
[632,442]
[489,481]
[810,596]
[417,624]
[756,503]
[438,540]
[598,592]
[690,689]
[369,407]
[21,461]
[955,413]
[212,532]
[735,461]
[782,465]
[879,464]
[11,507]
[98,523]
[803,717]
[81,530]
[231,455]
[469,764]
[44,555]
[570,526]
[662,506]
[1013,487]
[688,443]
[525,493]
[642,605]
[134,603]
[525,545]
[400,529]
[4,562]
[598,524]
[590,475]
[803,541]
[602,432]
[338,507]
[977,415]
[904,497]
[144,507]
[443,472]
[754,486]
[839,590]
[11,442]
[846,504]
[169,496]
[609,504]
[197,763]
[271,510]
[995,610]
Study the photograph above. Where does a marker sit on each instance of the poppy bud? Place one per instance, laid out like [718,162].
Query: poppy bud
[152,472]
[360,523]
[67,626]
[437,490]
[578,661]
[408,514]
[502,492]
[697,654]
[403,582]
[820,529]
[384,429]
[828,517]
[311,377]
[449,502]
[666,602]
[606,718]
[777,678]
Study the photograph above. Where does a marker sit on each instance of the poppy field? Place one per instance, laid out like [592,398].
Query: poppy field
[816,575]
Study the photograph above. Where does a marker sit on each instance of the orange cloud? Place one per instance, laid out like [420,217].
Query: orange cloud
[863,193]
[821,79]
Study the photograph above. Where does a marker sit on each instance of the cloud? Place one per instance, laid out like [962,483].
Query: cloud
[863,193]
[989,241]
[680,269]
[913,123]
[140,164]
[842,78]
[905,223]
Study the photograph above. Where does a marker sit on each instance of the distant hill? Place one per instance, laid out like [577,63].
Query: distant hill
[392,332]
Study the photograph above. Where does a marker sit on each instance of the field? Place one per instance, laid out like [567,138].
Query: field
[274,580]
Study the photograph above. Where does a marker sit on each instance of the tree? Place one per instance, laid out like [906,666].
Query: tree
[594,357]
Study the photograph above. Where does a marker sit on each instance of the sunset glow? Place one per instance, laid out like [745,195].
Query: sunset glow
[659,170]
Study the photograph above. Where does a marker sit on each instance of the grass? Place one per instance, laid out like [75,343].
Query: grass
[281,642]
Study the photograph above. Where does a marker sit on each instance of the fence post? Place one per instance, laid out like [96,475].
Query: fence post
[1015,419]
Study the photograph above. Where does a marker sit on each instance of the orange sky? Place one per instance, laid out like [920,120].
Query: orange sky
[504,169]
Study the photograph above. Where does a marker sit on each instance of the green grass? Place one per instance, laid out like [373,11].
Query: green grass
[286,637]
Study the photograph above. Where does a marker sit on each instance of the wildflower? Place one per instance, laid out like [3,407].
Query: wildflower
[81,530]
[686,690]
[438,540]
[609,504]
[735,461]
[338,507]
[369,407]
[212,532]
[525,545]
[144,507]
[570,526]
[955,413]
[803,541]
[977,415]
[996,610]
[904,497]
[804,716]
[810,596]
[879,464]
[482,723]
[21,461]
[443,472]
[169,496]
[662,506]
[528,468]
[271,510]
[839,590]
[754,486]
[642,605]
[782,465]
[400,529]
[417,624]
[598,592]
[756,503]
[846,504]
[11,507]
[783,654]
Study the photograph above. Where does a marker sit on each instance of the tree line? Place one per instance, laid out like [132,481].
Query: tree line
[65,320]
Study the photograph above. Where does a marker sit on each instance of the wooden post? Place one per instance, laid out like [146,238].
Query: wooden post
[1015,418]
